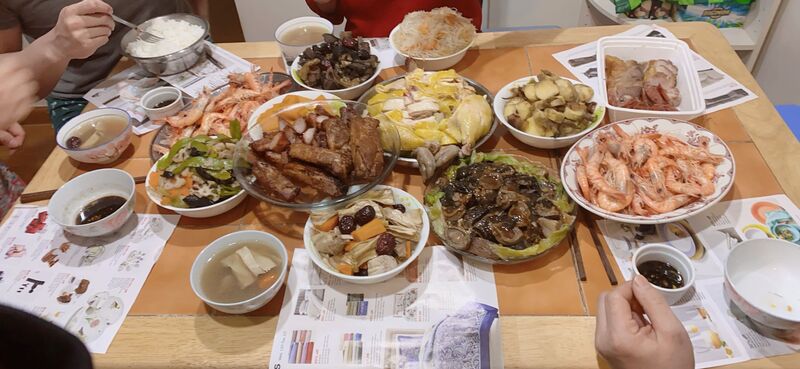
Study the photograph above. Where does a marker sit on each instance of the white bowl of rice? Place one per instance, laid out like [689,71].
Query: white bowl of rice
[181,47]
[434,40]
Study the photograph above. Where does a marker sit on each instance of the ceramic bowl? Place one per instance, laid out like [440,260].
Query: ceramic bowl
[671,256]
[350,93]
[203,212]
[73,196]
[541,142]
[102,154]
[159,95]
[762,279]
[226,241]
[432,64]
[401,197]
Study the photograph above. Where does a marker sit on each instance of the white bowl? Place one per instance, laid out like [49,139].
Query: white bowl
[254,129]
[432,64]
[402,197]
[540,142]
[158,95]
[73,196]
[204,212]
[226,241]
[642,49]
[103,154]
[762,279]
[351,93]
[671,256]
[686,131]
[292,51]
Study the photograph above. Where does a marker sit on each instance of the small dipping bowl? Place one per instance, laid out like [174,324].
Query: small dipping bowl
[675,258]
[158,96]
[101,154]
[762,279]
[229,240]
[73,196]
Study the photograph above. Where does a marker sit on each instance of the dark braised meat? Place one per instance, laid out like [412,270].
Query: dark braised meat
[314,177]
[337,133]
[272,141]
[337,63]
[333,161]
[366,146]
[271,178]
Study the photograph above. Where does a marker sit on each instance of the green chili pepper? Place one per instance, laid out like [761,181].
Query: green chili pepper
[165,161]
[236,129]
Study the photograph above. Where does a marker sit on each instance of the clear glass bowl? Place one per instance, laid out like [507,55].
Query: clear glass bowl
[309,199]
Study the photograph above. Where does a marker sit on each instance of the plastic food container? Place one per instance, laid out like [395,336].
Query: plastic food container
[642,49]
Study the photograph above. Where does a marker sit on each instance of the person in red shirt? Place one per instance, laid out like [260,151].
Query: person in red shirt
[376,18]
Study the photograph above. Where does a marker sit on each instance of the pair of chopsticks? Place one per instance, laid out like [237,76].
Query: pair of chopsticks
[46,195]
[576,252]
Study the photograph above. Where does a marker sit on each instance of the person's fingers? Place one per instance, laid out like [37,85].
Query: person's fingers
[6,139]
[601,326]
[656,308]
[96,32]
[97,20]
[618,310]
[18,134]
[91,7]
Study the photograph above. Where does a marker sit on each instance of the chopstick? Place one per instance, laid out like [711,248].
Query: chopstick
[603,257]
[45,195]
[576,253]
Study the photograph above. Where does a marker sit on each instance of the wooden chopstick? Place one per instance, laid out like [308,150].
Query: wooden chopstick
[45,195]
[603,257]
[576,252]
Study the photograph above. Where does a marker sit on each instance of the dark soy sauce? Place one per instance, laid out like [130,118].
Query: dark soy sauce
[661,274]
[163,104]
[99,209]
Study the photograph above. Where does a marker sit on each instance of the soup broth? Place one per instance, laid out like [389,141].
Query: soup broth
[303,34]
[220,284]
[95,132]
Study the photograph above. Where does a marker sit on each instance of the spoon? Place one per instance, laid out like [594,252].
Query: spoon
[144,35]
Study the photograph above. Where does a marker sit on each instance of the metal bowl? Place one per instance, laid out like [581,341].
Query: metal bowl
[406,158]
[173,63]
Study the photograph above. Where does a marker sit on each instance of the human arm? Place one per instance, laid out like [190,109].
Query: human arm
[628,340]
[17,96]
[200,7]
[81,29]
[326,9]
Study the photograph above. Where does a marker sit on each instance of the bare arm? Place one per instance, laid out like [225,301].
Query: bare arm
[200,8]
[326,6]
[46,65]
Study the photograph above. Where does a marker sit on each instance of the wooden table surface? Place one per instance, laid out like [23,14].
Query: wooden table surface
[762,144]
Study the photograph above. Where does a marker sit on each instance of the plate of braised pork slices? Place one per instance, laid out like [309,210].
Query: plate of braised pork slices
[648,171]
[315,154]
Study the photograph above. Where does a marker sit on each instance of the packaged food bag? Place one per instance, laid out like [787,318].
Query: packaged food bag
[646,9]
[721,13]
[460,341]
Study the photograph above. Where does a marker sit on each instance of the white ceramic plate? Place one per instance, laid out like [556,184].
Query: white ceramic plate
[204,212]
[401,197]
[688,132]
[254,129]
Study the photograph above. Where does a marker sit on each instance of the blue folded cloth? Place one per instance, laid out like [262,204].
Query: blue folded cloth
[791,115]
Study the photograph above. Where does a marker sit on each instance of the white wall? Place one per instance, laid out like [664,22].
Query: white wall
[519,13]
[260,18]
[776,70]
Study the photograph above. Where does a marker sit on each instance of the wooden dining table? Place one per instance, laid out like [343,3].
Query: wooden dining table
[546,311]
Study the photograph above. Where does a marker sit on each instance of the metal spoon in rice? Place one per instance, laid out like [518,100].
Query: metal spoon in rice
[143,35]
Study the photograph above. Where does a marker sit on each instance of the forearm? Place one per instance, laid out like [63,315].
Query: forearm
[46,61]
[326,6]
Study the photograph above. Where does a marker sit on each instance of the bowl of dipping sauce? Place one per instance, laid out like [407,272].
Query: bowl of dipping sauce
[94,203]
[762,279]
[668,269]
[240,272]
[162,102]
[97,137]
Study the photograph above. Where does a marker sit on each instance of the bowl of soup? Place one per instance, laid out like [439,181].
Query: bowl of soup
[94,203]
[96,137]
[240,272]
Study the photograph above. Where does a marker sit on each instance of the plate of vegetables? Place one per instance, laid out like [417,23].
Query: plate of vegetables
[195,178]
[370,239]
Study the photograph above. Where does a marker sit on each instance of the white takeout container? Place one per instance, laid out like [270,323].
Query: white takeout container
[158,95]
[226,241]
[72,197]
[350,93]
[203,212]
[432,64]
[671,256]
[762,279]
[102,154]
[642,49]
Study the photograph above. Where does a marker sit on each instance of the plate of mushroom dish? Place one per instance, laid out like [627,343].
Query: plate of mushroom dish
[499,208]
[648,171]
[369,239]
[315,154]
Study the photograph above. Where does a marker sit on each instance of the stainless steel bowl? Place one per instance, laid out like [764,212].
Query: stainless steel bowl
[174,63]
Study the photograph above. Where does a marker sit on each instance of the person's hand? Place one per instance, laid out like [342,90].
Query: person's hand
[628,341]
[17,96]
[82,28]
[13,137]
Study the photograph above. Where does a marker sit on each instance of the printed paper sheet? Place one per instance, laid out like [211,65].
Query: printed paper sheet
[719,89]
[86,285]
[719,331]
[328,323]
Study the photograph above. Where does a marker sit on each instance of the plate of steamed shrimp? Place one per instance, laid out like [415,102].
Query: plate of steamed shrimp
[648,171]
[211,112]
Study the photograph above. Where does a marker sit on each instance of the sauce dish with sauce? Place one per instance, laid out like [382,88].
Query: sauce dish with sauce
[668,269]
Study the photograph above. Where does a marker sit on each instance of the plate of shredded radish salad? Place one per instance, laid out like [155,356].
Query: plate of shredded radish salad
[196,172]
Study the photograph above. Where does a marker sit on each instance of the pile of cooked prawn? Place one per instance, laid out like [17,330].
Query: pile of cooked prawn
[210,114]
[645,174]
